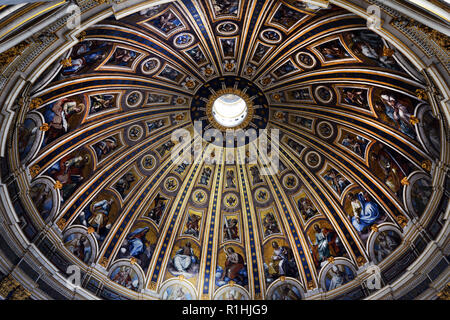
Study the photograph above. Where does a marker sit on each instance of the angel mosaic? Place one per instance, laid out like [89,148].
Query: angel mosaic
[85,55]
[62,116]
[98,216]
[185,262]
[101,102]
[397,110]
[137,245]
[126,277]
[234,269]
[325,243]
[71,171]
[336,180]
[280,263]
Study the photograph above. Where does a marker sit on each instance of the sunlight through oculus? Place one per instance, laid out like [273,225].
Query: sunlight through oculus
[229,110]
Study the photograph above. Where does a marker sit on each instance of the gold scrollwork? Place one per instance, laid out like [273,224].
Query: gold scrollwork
[9,55]
[402,221]
[360,260]
[444,294]
[61,223]
[426,165]
[12,288]
[36,103]
[104,262]
[421,94]
[34,170]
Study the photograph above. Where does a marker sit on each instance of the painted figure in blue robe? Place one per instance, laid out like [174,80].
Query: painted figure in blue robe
[81,62]
[322,243]
[98,218]
[336,180]
[137,242]
[100,215]
[369,211]
[84,54]
[27,134]
[185,262]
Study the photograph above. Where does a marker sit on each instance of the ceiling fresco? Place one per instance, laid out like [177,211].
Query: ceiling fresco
[354,154]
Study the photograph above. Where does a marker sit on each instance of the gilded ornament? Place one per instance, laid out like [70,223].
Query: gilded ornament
[229,66]
[426,164]
[104,262]
[444,294]
[66,62]
[402,221]
[61,223]
[36,103]
[421,94]
[440,39]
[7,284]
[20,294]
[9,55]
[360,260]
[413,120]
[209,71]
[58,185]
[205,296]
[34,170]
[388,52]
[405,181]
[190,84]
[12,288]
[82,35]
[152,286]
[266,81]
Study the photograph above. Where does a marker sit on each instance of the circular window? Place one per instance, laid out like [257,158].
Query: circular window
[229,110]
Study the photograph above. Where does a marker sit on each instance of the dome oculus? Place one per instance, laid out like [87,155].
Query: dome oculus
[229,110]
